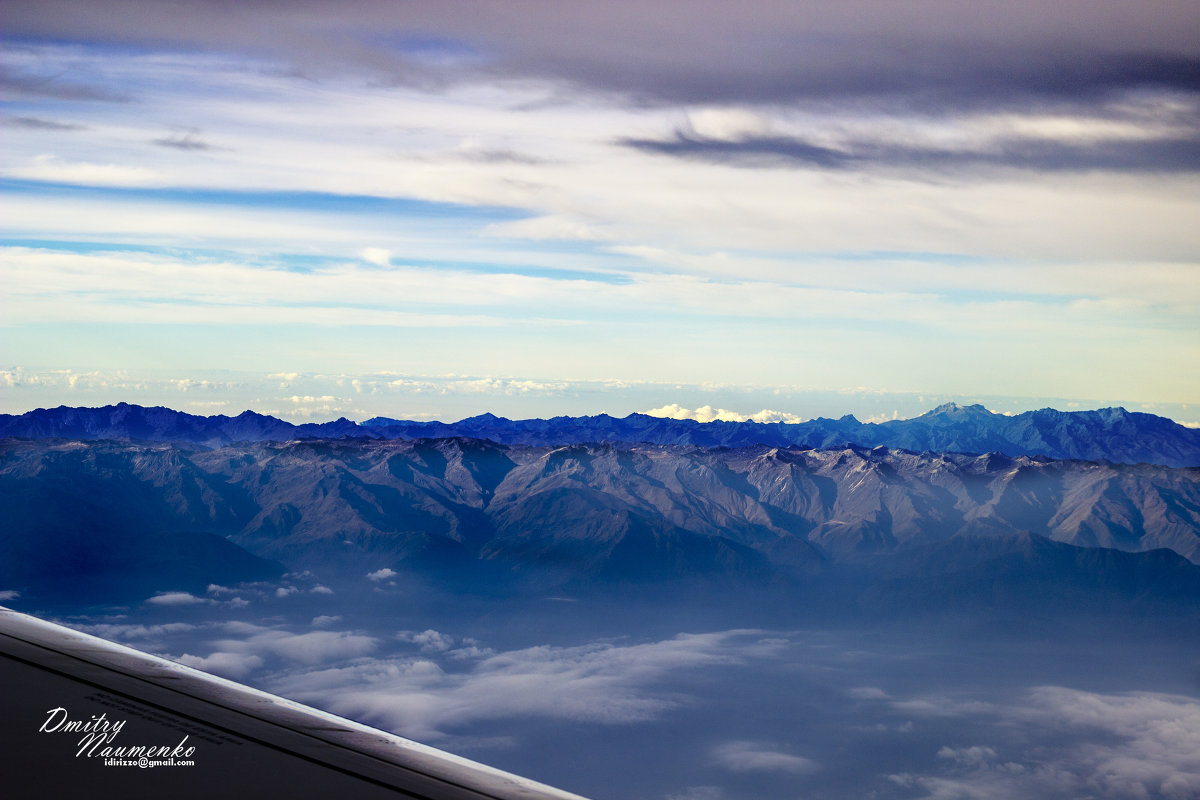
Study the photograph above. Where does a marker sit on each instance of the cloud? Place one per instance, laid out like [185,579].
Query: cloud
[312,648]
[176,599]
[1158,154]
[38,83]
[37,123]
[482,156]
[430,641]
[598,683]
[1158,747]
[968,755]
[321,589]
[327,399]
[9,594]
[544,227]
[378,256]
[49,168]
[936,706]
[470,651]
[187,141]
[137,631]
[755,152]
[173,288]
[256,644]
[756,757]
[858,51]
[911,126]
[382,574]
[697,793]
[1074,743]
[229,665]
[325,621]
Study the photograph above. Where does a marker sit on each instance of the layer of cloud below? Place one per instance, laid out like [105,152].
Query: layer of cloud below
[1134,745]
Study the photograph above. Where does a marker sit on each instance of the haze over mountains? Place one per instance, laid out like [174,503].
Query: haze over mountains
[1111,434]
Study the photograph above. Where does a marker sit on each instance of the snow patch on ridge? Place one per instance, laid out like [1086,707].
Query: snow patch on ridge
[710,414]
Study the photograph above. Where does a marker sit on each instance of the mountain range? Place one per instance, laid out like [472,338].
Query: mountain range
[487,516]
[1110,434]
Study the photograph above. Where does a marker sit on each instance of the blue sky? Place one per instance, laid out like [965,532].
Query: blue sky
[434,210]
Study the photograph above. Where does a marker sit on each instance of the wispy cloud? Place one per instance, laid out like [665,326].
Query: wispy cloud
[988,145]
[758,757]
[133,287]
[51,169]
[37,123]
[252,646]
[189,141]
[110,630]
[598,683]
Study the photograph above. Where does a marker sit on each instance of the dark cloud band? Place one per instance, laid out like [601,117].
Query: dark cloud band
[1175,154]
[934,54]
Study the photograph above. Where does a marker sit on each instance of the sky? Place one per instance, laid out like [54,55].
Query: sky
[432,210]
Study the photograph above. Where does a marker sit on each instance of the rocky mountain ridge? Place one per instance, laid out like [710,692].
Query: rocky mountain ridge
[472,510]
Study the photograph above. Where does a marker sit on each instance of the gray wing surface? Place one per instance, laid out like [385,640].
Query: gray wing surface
[185,734]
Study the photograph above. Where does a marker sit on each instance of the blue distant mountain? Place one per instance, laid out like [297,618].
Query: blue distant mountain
[158,424]
[1110,434]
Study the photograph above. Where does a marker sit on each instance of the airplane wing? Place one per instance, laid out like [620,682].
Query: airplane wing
[79,714]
